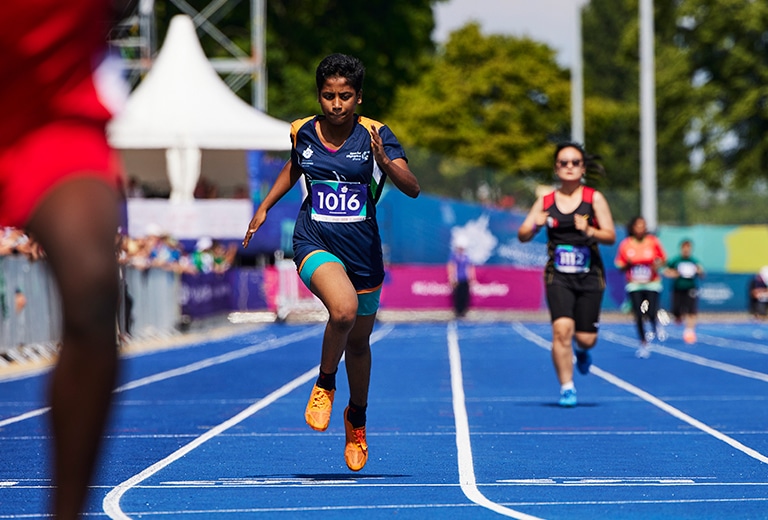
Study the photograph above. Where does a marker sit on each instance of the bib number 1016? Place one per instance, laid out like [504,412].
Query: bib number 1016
[336,201]
[342,202]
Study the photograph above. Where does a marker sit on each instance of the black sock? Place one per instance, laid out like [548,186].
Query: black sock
[356,415]
[326,381]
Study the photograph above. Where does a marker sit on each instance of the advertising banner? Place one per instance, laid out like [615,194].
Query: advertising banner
[497,287]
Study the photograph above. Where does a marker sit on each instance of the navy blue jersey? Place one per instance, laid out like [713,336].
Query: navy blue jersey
[344,185]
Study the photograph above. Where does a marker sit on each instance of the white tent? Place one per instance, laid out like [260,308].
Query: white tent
[183,121]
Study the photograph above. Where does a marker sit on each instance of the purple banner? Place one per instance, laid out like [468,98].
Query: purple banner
[205,294]
[497,287]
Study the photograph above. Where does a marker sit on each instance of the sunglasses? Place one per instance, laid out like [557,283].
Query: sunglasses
[564,164]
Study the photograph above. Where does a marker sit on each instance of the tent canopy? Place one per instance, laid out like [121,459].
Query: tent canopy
[183,109]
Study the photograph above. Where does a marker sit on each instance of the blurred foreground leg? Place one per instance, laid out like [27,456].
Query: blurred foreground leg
[76,225]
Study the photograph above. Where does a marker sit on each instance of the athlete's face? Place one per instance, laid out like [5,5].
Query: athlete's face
[338,100]
[639,228]
[569,164]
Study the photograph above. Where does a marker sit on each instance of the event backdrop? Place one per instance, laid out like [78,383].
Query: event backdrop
[417,235]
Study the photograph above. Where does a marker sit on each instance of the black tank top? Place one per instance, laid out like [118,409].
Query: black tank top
[570,251]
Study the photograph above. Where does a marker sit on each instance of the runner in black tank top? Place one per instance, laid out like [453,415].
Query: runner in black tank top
[570,251]
[577,219]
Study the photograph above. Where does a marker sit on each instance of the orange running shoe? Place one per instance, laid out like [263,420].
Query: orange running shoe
[356,450]
[689,336]
[318,412]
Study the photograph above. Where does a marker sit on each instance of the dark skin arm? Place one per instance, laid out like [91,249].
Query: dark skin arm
[397,170]
[286,179]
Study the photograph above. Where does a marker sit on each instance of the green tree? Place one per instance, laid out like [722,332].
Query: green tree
[611,114]
[391,37]
[727,44]
[711,60]
[612,89]
[490,106]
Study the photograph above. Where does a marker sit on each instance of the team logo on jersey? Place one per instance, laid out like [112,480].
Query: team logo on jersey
[307,153]
[359,156]
[551,222]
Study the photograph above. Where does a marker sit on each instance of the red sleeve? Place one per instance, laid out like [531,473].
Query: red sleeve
[549,200]
[621,255]
[660,250]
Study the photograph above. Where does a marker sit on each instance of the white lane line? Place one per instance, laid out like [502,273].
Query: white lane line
[503,483]
[111,502]
[463,443]
[645,396]
[24,416]
[269,344]
[732,344]
[691,358]
[362,508]
[671,410]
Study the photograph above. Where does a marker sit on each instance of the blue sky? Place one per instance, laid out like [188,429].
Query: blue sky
[548,21]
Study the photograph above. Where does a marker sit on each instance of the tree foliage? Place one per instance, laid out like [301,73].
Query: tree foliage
[611,33]
[487,104]
[711,66]
[727,45]
[491,106]
[391,37]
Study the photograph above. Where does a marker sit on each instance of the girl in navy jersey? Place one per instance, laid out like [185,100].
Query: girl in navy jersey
[345,160]
[577,219]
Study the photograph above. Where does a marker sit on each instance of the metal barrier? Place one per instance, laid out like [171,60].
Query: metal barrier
[30,313]
[151,304]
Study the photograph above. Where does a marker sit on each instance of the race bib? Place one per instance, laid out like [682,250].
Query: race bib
[572,259]
[641,273]
[339,201]
[687,269]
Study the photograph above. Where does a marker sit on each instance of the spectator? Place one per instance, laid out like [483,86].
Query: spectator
[202,257]
[223,256]
[461,276]
[758,294]
[135,190]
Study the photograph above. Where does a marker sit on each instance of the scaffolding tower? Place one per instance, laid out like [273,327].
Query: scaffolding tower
[136,36]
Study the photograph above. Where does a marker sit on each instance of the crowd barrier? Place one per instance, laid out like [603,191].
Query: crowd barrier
[30,312]
[28,308]
[156,303]
[153,303]
[149,303]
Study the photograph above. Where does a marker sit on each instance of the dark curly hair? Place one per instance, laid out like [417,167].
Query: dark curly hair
[631,224]
[341,66]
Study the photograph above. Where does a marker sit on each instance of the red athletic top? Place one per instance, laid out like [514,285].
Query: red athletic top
[53,118]
[49,51]
[638,258]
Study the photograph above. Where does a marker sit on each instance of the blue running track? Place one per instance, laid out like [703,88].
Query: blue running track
[462,423]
